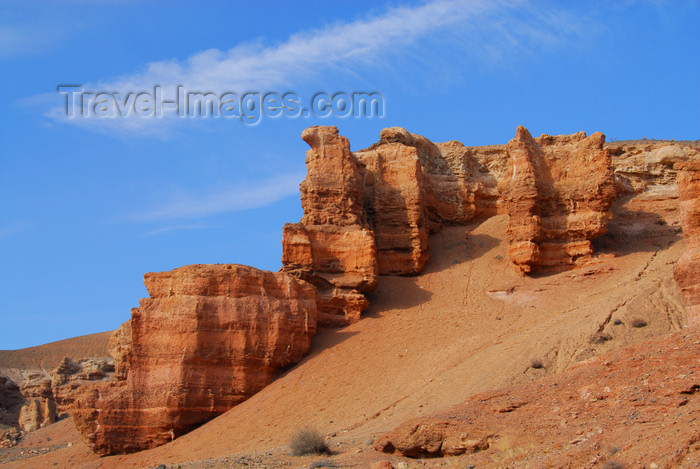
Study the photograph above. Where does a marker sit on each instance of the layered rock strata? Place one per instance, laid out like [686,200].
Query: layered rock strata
[209,337]
[37,413]
[557,192]
[371,212]
[394,196]
[332,246]
[43,397]
[687,269]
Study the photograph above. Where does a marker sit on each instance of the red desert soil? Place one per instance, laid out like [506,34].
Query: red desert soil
[468,324]
[637,407]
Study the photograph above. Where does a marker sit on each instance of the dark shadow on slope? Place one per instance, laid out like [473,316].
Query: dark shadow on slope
[395,292]
[325,338]
[456,244]
[633,231]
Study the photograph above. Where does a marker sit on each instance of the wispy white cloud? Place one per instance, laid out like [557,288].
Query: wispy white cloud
[168,229]
[20,37]
[485,29]
[241,197]
[17,41]
[14,228]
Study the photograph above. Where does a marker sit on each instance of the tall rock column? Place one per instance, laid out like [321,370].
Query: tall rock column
[558,191]
[332,246]
[687,269]
[394,198]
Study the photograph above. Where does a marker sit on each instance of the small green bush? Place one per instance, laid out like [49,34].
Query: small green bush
[308,440]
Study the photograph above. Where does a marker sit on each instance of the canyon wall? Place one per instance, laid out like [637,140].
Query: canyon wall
[42,397]
[208,338]
[370,212]
[332,246]
[558,192]
[687,269]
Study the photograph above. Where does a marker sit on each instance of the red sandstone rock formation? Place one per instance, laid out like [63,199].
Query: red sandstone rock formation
[43,399]
[394,197]
[557,192]
[70,375]
[208,338]
[332,246]
[37,413]
[687,269]
[371,212]
[414,186]
[119,347]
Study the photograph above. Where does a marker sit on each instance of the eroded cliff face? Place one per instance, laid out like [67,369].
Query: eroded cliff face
[395,204]
[208,338]
[413,187]
[332,246]
[371,212]
[46,395]
[557,192]
[10,402]
[687,269]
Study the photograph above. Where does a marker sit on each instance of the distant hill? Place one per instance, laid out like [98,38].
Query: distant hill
[47,356]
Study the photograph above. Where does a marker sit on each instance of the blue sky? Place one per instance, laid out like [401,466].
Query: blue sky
[88,205]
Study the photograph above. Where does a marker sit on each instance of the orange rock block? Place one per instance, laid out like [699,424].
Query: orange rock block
[557,191]
[209,337]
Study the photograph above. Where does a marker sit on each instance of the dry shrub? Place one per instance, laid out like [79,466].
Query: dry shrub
[639,322]
[536,363]
[600,338]
[327,463]
[612,465]
[308,440]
